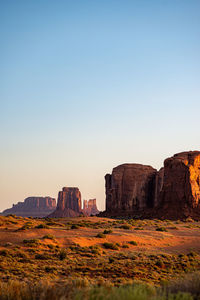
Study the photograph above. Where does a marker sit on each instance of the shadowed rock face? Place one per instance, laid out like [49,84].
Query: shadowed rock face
[90,207]
[181,184]
[33,207]
[173,192]
[130,188]
[69,203]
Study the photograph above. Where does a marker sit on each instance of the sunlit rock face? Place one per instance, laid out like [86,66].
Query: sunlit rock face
[69,203]
[33,207]
[181,184]
[90,207]
[172,192]
[130,188]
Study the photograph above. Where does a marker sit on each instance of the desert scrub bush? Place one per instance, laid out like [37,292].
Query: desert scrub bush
[189,219]
[178,222]
[5,253]
[100,235]
[75,226]
[42,256]
[31,242]
[49,237]
[125,246]
[126,292]
[173,227]
[48,269]
[75,247]
[20,254]
[107,231]
[42,226]
[159,263]
[161,229]
[62,254]
[189,284]
[11,215]
[26,226]
[139,228]
[134,243]
[15,290]
[125,226]
[79,289]
[95,251]
[110,246]
[8,244]
[52,223]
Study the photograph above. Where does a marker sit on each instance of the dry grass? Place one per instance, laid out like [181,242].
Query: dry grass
[97,249]
[81,289]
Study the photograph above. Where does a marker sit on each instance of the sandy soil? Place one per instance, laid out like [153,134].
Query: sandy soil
[176,240]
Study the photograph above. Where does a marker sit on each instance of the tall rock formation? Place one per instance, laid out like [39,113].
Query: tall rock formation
[130,188]
[180,194]
[173,192]
[32,207]
[69,203]
[90,207]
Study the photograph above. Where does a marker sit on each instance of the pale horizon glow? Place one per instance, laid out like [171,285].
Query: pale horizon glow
[88,85]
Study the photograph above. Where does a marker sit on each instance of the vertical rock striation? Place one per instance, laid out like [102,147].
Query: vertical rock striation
[130,189]
[180,194]
[90,207]
[173,192]
[69,203]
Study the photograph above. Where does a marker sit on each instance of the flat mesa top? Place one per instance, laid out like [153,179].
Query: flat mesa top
[188,156]
[70,188]
[133,166]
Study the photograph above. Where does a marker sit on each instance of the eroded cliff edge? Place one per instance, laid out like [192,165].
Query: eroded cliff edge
[142,191]
[32,207]
[69,203]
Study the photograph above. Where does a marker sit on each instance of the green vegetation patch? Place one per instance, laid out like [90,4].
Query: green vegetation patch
[42,226]
[100,235]
[111,246]
[134,243]
[161,229]
[49,237]
[31,242]
[125,226]
[107,231]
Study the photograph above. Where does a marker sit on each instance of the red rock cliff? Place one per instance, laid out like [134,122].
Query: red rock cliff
[90,207]
[69,203]
[180,194]
[130,188]
[173,192]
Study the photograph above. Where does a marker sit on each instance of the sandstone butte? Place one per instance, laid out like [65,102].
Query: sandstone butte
[135,190]
[32,207]
[90,207]
[69,204]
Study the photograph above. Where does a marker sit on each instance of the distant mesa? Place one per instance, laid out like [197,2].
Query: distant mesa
[69,204]
[90,207]
[32,207]
[173,192]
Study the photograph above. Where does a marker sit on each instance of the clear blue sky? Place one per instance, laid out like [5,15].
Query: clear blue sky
[87,85]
